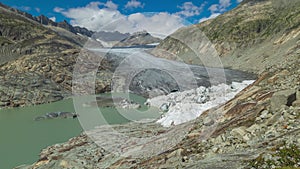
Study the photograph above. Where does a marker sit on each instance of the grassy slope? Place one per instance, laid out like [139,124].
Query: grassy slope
[253,32]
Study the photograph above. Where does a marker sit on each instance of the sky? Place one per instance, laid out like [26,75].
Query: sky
[160,17]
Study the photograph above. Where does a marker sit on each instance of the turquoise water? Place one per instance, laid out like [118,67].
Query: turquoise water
[22,138]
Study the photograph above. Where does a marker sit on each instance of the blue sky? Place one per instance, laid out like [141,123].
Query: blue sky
[130,14]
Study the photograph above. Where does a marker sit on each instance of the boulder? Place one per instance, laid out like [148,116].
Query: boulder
[165,107]
[238,133]
[296,103]
[284,97]
[202,99]
[208,121]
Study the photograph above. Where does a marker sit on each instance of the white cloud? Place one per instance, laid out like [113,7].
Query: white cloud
[38,10]
[23,8]
[53,18]
[213,8]
[189,9]
[224,3]
[103,17]
[26,8]
[110,5]
[58,9]
[134,4]
[239,1]
[160,24]
[217,9]
[221,7]
[210,17]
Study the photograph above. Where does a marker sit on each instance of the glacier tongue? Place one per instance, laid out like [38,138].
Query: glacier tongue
[188,105]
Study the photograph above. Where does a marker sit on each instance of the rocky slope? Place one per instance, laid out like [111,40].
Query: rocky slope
[37,62]
[250,37]
[259,128]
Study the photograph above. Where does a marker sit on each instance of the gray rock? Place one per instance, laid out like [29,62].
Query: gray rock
[127,104]
[284,97]
[165,107]
[202,99]
[239,133]
[2,104]
[264,114]
[296,103]
[273,119]
[208,121]
[253,129]
[54,115]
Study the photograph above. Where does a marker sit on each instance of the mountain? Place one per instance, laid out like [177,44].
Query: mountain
[258,128]
[37,60]
[138,39]
[42,19]
[110,36]
[117,39]
[260,29]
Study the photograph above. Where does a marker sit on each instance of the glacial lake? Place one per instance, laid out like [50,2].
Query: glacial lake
[22,138]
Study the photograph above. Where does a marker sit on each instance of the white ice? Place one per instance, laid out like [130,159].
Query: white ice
[188,105]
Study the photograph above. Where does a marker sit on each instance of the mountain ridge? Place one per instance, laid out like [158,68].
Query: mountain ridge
[42,19]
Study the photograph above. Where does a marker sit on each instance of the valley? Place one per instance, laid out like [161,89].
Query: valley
[223,93]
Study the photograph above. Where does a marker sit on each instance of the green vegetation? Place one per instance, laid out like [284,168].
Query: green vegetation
[247,29]
[285,157]
[243,27]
